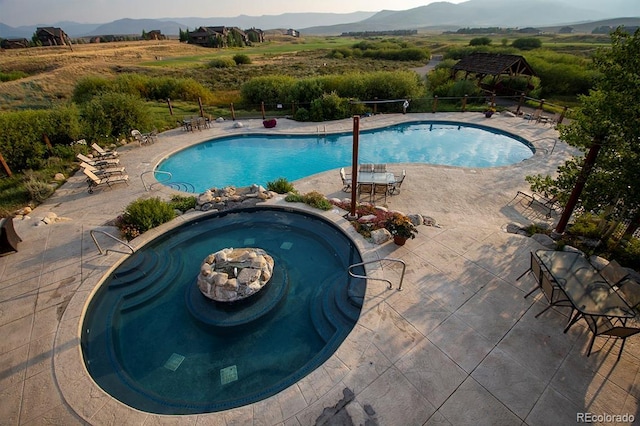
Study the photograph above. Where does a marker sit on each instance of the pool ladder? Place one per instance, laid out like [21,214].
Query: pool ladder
[389,259]
[93,233]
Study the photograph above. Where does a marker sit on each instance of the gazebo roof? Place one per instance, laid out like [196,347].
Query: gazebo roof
[494,64]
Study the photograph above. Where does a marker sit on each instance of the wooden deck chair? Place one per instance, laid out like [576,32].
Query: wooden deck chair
[102,153]
[94,181]
[99,163]
[115,170]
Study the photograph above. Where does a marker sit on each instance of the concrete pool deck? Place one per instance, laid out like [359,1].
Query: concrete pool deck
[459,345]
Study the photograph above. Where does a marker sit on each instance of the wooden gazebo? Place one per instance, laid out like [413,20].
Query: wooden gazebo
[481,65]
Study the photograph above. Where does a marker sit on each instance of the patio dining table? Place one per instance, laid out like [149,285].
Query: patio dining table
[589,293]
[380,178]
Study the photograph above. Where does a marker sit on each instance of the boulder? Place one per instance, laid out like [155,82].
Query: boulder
[544,240]
[380,236]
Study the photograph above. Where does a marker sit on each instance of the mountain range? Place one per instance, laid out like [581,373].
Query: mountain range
[434,16]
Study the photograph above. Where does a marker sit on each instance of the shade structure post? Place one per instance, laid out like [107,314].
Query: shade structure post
[354,166]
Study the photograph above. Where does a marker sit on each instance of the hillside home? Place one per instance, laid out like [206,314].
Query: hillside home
[52,36]
[14,43]
[154,35]
[218,36]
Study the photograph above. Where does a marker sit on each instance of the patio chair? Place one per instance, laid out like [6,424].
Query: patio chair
[142,139]
[115,170]
[366,168]
[613,273]
[94,181]
[553,293]
[346,180]
[380,188]
[99,163]
[603,326]
[365,188]
[394,187]
[629,289]
[102,153]
[379,168]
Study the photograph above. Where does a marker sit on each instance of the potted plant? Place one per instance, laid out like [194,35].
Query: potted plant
[401,228]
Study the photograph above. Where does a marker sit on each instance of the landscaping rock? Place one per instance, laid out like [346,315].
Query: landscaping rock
[380,236]
[544,240]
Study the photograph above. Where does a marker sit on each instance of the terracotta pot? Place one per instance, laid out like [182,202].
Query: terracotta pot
[399,240]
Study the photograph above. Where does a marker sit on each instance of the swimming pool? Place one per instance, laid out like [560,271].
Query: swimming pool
[248,159]
[154,342]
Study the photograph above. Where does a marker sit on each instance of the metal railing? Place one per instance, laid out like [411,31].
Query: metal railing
[95,240]
[389,259]
[555,142]
[180,186]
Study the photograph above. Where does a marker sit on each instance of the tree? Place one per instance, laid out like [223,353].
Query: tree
[606,128]
[526,43]
[480,41]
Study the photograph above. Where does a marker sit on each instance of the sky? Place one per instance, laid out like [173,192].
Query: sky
[16,13]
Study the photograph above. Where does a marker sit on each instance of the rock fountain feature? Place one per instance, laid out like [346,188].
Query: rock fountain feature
[231,274]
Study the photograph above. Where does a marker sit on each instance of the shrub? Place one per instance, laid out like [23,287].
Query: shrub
[480,41]
[317,200]
[280,186]
[587,225]
[526,43]
[301,114]
[113,115]
[241,59]
[330,107]
[628,253]
[182,203]
[313,199]
[222,63]
[142,215]
[37,189]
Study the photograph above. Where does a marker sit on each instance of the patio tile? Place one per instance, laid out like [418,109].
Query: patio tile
[480,407]
[434,374]
[395,336]
[394,399]
[509,382]
[554,409]
[15,334]
[461,343]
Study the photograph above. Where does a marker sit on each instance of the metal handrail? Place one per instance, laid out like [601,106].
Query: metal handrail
[390,259]
[555,141]
[95,240]
[158,181]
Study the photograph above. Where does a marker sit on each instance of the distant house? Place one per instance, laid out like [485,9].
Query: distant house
[52,36]
[255,35]
[218,37]
[293,33]
[154,35]
[565,30]
[14,43]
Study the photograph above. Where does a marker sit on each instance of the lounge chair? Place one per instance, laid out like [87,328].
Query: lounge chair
[107,171]
[99,163]
[549,205]
[346,181]
[102,153]
[94,181]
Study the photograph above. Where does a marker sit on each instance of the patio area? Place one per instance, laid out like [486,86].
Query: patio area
[459,345]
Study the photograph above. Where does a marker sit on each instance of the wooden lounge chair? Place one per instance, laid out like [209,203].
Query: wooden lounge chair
[102,153]
[99,163]
[115,170]
[94,181]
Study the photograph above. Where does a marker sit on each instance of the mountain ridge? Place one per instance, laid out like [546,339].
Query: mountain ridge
[439,15]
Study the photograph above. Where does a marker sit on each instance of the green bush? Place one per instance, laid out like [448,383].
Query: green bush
[88,87]
[183,203]
[628,253]
[280,185]
[317,200]
[301,114]
[330,107]
[222,63]
[12,75]
[113,115]
[142,215]
[270,89]
[587,225]
[480,41]
[37,189]
[527,43]
[241,59]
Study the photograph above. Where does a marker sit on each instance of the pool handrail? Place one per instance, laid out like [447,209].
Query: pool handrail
[390,259]
[105,252]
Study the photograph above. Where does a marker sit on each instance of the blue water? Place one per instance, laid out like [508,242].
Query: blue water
[150,312]
[245,160]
